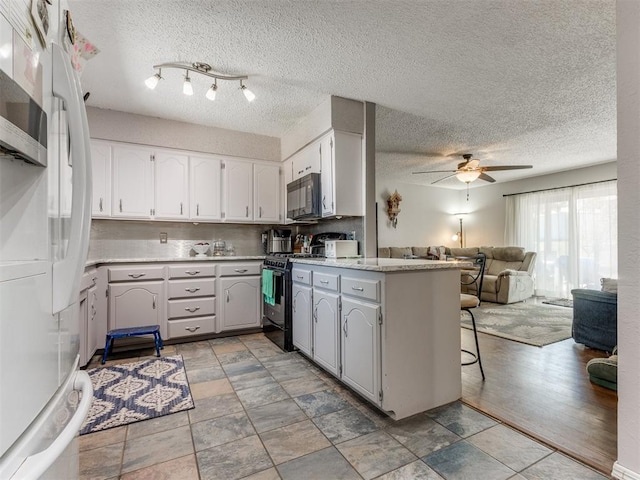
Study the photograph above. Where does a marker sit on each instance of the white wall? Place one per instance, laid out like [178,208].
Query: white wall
[427,212]
[628,82]
[143,130]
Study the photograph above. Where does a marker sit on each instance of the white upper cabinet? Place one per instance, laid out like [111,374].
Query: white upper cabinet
[266,193]
[306,161]
[171,186]
[132,182]
[341,155]
[101,171]
[238,190]
[205,188]
[287,178]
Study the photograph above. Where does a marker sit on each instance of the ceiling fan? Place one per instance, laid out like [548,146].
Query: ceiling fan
[470,170]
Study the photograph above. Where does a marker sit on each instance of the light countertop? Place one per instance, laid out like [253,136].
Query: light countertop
[384,264]
[217,258]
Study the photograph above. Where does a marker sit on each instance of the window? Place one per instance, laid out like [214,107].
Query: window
[573,230]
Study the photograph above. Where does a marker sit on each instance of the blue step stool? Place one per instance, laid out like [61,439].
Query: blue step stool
[132,332]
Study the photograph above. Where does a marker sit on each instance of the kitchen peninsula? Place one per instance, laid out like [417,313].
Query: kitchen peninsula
[388,328]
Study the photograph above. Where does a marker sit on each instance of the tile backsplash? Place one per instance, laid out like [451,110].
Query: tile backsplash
[141,239]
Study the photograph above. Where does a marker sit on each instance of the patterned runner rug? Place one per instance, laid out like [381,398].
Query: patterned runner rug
[530,323]
[132,392]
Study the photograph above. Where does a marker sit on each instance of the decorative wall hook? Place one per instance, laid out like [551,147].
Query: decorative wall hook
[393,208]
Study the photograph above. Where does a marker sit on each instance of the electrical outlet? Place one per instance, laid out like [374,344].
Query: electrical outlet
[163,237]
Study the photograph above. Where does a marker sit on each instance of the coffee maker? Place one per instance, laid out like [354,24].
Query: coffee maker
[277,241]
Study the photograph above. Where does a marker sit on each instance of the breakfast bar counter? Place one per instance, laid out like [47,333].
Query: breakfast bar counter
[387,328]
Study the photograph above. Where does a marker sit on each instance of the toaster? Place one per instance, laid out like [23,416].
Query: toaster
[340,248]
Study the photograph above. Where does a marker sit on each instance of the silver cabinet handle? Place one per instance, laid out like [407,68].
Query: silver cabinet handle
[315,314]
[247,212]
[154,302]
[197,209]
[359,289]
[227,295]
[324,205]
[240,270]
[192,309]
[260,212]
[100,203]
[294,304]
[137,275]
[324,281]
[180,208]
[192,272]
[120,205]
[345,328]
[192,329]
[192,289]
[300,277]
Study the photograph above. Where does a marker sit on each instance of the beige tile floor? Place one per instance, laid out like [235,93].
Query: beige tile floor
[263,414]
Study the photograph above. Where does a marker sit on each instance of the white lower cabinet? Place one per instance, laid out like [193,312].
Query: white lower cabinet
[302,317]
[326,339]
[360,342]
[240,298]
[137,304]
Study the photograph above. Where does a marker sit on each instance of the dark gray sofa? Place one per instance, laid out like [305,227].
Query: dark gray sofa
[595,318]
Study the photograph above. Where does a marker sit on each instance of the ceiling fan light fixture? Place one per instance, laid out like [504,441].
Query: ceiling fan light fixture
[468,176]
[249,95]
[152,81]
[187,88]
[211,93]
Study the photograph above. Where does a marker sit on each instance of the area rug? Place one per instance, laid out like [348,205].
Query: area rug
[560,302]
[132,392]
[530,323]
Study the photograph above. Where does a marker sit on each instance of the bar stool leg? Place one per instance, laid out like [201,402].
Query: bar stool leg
[477,354]
[108,344]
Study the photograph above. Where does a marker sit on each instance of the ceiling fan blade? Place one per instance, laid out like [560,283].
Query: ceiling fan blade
[486,178]
[505,167]
[436,171]
[443,178]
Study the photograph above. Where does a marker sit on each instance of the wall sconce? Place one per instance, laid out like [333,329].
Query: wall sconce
[458,236]
[393,208]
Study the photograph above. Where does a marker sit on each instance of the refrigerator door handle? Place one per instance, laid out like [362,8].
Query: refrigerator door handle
[35,465]
[67,272]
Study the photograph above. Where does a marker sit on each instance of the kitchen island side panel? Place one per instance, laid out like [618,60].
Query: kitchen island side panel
[420,341]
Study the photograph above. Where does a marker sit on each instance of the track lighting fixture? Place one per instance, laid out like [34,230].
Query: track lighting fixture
[202,69]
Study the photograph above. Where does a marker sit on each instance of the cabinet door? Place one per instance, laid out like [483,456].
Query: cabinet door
[238,188]
[240,302]
[101,173]
[171,186]
[93,320]
[302,318]
[266,182]
[137,304]
[206,188]
[306,161]
[132,182]
[361,347]
[327,177]
[326,312]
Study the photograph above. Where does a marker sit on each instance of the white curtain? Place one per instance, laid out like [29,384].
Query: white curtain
[574,231]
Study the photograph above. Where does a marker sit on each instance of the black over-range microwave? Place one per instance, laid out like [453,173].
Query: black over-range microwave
[303,198]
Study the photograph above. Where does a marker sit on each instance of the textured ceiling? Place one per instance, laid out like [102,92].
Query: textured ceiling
[513,82]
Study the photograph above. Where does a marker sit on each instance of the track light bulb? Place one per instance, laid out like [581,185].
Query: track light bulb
[249,95]
[152,81]
[187,89]
[211,93]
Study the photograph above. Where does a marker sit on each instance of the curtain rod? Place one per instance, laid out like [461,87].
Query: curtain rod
[559,188]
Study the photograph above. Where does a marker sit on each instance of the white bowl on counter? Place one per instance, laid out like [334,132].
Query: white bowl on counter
[201,249]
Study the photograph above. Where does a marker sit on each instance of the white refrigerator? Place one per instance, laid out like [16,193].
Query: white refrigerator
[45,188]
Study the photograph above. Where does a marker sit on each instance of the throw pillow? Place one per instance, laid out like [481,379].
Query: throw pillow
[609,285]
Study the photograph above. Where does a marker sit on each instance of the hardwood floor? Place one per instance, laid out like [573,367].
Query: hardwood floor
[545,393]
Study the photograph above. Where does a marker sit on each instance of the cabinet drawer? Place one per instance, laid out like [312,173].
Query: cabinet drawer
[369,289]
[203,287]
[191,326]
[192,271]
[192,307]
[130,273]
[234,269]
[301,276]
[325,280]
